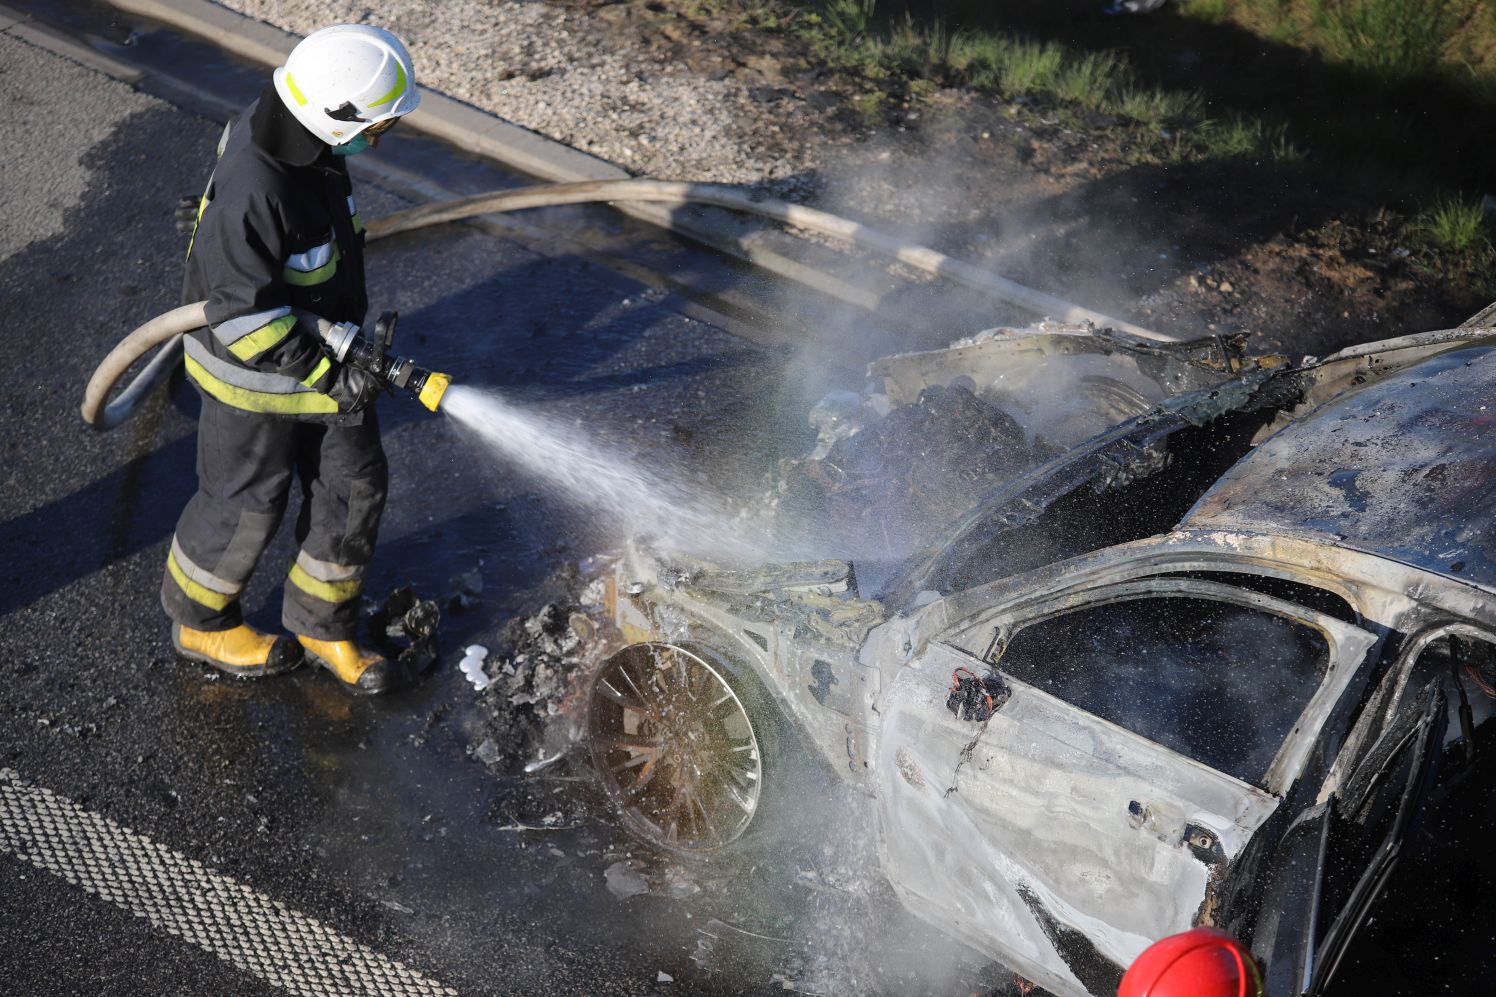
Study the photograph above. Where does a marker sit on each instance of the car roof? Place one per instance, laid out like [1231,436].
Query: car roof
[1404,468]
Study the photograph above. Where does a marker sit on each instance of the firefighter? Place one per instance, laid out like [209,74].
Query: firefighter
[278,253]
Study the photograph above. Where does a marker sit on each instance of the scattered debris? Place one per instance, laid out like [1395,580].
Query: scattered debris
[538,827]
[624,881]
[487,752]
[404,617]
[664,977]
[723,947]
[678,884]
[541,761]
[535,677]
[399,908]
[544,803]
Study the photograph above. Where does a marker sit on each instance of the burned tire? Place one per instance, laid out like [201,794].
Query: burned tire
[682,742]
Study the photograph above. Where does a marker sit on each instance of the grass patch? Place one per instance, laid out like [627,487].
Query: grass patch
[1455,225]
[1092,80]
[904,55]
[1029,67]
[1400,39]
[1389,99]
[1239,137]
[1159,108]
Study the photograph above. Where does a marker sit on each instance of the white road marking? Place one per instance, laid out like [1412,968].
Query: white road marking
[177,894]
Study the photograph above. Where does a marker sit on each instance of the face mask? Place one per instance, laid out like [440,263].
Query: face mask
[352,147]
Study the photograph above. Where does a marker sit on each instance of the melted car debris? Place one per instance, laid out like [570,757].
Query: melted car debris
[405,625]
[537,673]
[471,666]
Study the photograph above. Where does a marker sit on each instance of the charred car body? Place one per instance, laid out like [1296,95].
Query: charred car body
[1184,636]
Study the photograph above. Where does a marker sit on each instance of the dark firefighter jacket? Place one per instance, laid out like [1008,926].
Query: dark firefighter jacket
[277,230]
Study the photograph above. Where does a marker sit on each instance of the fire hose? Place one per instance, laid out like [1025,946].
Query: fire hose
[166,329]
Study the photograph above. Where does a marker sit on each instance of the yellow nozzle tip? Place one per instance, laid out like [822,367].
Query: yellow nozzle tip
[435,387]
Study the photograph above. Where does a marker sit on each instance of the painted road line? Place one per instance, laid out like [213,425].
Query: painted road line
[182,896]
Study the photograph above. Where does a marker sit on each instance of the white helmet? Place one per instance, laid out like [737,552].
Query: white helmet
[340,80]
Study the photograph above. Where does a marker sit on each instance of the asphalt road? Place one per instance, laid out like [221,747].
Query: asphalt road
[369,818]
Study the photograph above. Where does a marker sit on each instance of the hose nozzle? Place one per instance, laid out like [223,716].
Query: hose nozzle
[427,386]
[436,386]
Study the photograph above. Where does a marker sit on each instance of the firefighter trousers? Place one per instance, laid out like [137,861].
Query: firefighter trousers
[245,463]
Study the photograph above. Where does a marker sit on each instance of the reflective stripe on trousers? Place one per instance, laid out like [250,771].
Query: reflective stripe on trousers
[198,583]
[326,580]
[246,465]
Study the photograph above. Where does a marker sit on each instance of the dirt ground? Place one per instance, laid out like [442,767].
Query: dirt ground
[1188,249]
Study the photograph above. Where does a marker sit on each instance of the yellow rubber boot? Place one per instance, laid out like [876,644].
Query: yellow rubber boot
[241,650]
[362,672]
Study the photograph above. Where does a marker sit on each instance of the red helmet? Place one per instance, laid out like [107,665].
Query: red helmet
[1202,962]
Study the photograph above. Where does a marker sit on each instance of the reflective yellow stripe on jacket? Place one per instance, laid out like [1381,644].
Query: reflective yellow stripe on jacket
[270,334]
[315,266]
[251,390]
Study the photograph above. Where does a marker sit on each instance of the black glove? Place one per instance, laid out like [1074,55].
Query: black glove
[354,388]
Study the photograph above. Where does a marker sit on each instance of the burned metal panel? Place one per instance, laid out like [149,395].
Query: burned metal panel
[835,697]
[1097,973]
[1386,593]
[1042,806]
[1066,383]
[1404,468]
[940,864]
[1112,460]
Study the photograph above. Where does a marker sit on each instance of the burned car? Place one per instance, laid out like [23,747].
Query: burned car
[1183,637]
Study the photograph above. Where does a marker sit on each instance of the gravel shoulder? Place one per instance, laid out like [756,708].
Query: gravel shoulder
[590,79]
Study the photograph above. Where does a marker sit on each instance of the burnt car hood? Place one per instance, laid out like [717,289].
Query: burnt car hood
[1404,468]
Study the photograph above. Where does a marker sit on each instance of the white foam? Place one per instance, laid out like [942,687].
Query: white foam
[472,667]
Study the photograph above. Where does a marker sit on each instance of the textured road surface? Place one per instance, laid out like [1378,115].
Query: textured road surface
[369,818]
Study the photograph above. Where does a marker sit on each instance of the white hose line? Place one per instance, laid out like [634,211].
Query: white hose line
[165,328]
[736,199]
[169,326]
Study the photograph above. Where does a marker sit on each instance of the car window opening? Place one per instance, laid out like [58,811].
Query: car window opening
[1218,682]
[1439,850]
[1472,660]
